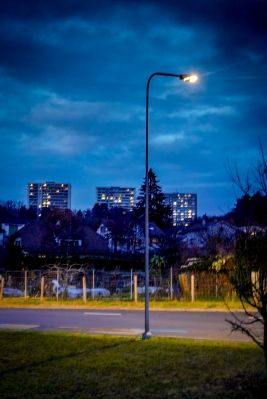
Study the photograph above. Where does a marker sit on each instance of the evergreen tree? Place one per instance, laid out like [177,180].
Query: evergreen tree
[159,212]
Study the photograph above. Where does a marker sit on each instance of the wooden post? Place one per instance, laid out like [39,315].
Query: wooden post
[25,283]
[93,286]
[192,287]
[171,288]
[135,288]
[57,282]
[255,284]
[131,291]
[2,283]
[42,288]
[84,289]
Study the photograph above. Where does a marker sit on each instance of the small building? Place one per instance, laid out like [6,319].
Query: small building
[7,229]
[134,240]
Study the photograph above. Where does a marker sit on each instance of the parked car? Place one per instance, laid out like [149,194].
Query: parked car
[74,292]
[12,292]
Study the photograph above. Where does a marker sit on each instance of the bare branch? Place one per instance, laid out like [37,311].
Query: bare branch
[233,172]
[262,170]
[238,326]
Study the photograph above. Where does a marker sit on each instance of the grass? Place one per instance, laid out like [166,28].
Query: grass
[121,304]
[57,365]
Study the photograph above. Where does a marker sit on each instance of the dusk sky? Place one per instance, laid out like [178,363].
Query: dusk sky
[72,90]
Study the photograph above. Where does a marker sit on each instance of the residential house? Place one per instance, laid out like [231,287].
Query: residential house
[7,229]
[40,239]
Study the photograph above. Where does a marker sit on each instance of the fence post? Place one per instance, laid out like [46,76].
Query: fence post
[255,284]
[135,288]
[42,288]
[93,285]
[2,283]
[131,289]
[84,289]
[57,282]
[216,285]
[171,278]
[25,283]
[192,287]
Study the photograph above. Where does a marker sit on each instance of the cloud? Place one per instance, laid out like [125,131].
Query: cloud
[57,109]
[55,141]
[73,76]
[202,111]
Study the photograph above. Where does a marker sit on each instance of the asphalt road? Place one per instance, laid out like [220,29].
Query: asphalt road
[197,325]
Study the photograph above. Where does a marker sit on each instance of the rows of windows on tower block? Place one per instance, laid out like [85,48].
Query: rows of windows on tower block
[58,195]
[123,197]
[49,195]
[183,207]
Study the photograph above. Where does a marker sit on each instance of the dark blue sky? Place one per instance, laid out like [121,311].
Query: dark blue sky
[72,92]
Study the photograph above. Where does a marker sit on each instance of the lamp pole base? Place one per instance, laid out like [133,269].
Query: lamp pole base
[147,335]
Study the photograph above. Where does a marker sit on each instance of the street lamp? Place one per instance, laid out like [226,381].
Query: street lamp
[189,78]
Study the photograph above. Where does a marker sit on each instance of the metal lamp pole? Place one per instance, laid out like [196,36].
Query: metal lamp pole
[186,78]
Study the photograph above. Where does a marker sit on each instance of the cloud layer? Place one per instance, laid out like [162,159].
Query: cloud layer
[72,94]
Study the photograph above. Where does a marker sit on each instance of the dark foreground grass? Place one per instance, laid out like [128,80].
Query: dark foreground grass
[57,365]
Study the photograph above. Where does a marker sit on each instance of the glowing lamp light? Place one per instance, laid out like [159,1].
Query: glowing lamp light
[189,78]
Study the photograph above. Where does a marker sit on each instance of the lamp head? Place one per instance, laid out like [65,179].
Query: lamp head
[189,78]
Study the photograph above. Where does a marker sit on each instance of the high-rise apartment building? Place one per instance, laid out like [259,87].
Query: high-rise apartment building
[123,197]
[49,195]
[183,206]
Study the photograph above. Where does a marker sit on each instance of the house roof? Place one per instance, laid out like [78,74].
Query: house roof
[39,238]
[155,231]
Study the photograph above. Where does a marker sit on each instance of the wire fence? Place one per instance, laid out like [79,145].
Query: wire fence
[69,283]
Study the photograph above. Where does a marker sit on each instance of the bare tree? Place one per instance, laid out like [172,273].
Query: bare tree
[248,271]
[249,279]
[255,179]
[261,171]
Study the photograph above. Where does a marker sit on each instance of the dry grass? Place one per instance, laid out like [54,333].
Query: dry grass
[119,304]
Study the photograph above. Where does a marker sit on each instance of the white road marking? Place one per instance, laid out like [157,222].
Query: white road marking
[164,330]
[101,314]
[118,332]
[104,331]
[18,326]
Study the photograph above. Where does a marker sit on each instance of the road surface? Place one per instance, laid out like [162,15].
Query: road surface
[197,325]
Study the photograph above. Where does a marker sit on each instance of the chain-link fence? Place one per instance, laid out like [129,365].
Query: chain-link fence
[206,285]
[69,283]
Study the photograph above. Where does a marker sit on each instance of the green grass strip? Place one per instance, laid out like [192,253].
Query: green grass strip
[61,365]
